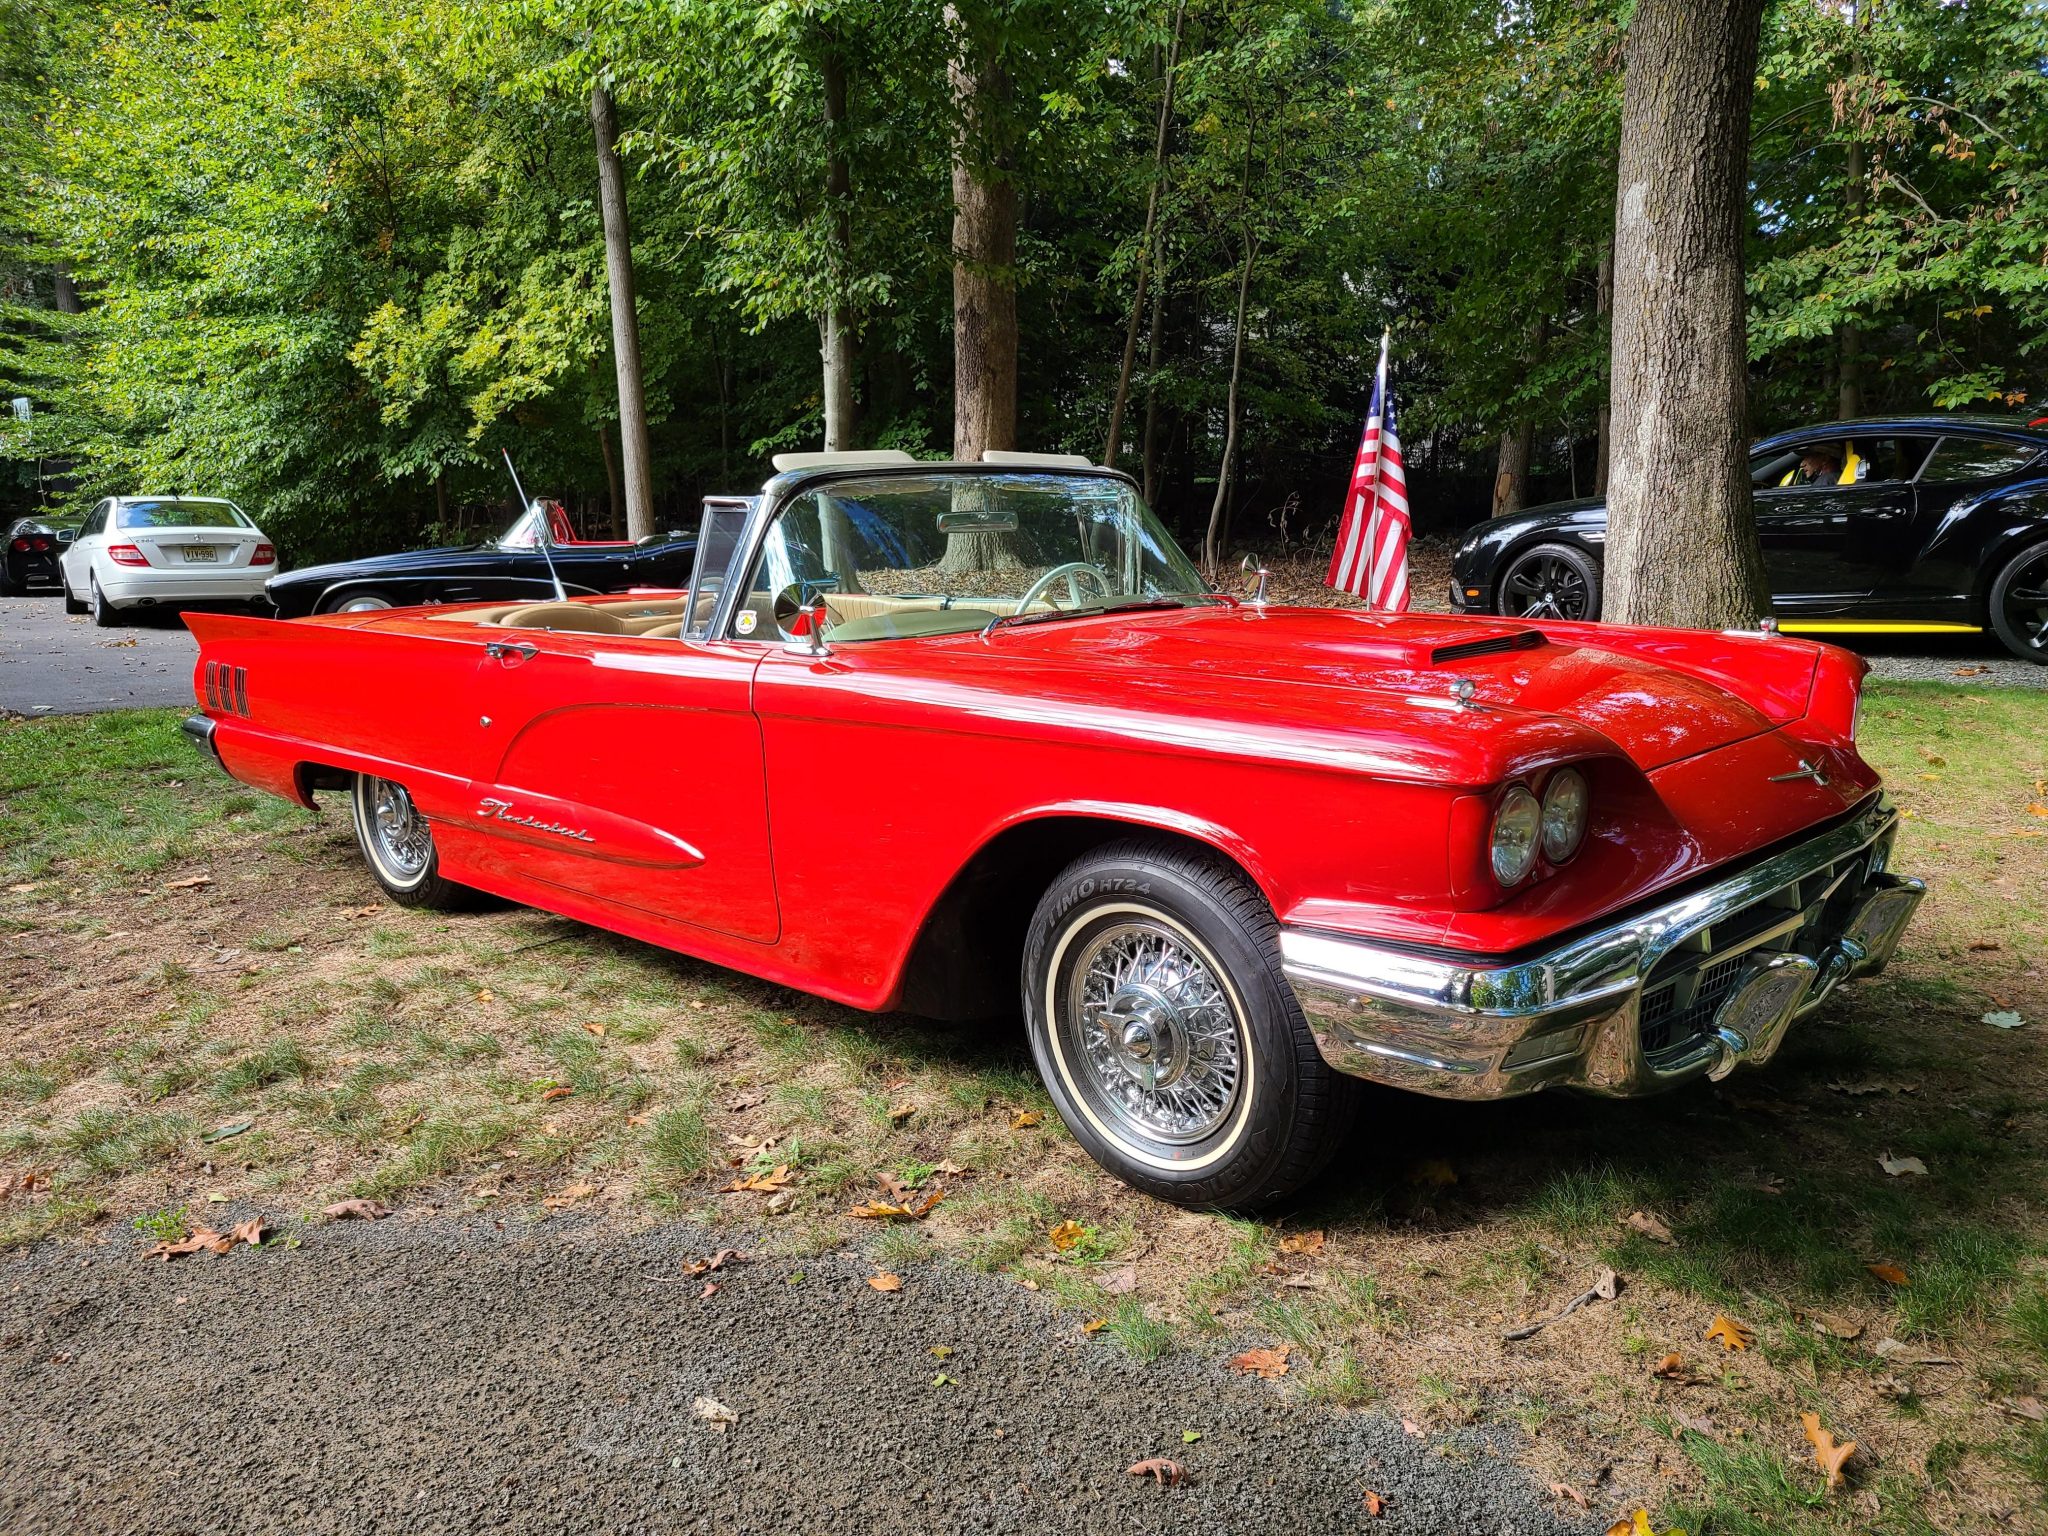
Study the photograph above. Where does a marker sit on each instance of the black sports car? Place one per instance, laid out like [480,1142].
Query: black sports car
[28,555]
[1896,524]
[511,566]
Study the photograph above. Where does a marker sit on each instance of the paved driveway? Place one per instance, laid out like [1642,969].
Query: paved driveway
[51,664]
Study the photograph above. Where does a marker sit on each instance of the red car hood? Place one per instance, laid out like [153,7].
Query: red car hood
[1659,696]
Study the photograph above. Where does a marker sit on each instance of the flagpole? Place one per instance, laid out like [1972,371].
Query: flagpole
[1378,467]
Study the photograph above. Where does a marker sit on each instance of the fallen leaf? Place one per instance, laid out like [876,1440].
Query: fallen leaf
[359,1210]
[1095,1325]
[943,1380]
[559,1091]
[1829,1455]
[228,1132]
[1670,1366]
[1120,1281]
[748,1100]
[1983,946]
[484,994]
[780,1202]
[1895,1166]
[1890,1274]
[1024,1119]
[250,1231]
[710,1290]
[1892,1349]
[639,1122]
[569,1196]
[23,888]
[1162,1471]
[1308,1244]
[1607,1285]
[883,1210]
[1837,1327]
[714,1413]
[2004,1018]
[885,1282]
[2029,1408]
[1066,1235]
[1266,1364]
[942,1351]
[1698,1423]
[1375,1506]
[200,1238]
[901,1114]
[1190,1436]
[1970,672]
[189,883]
[1730,1333]
[1410,1427]
[1648,1225]
[1567,1491]
[951,1169]
[761,1183]
[592,1027]
[718,1260]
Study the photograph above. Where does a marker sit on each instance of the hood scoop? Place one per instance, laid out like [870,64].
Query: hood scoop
[1492,645]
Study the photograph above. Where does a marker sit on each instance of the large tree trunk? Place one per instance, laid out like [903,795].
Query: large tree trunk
[64,293]
[835,329]
[984,254]
[614,512]
[1518,443]
[1603,439]
[618,261]
[1114,441]
[1681,526]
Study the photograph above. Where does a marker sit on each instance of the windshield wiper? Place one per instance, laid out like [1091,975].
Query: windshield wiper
[1092,610]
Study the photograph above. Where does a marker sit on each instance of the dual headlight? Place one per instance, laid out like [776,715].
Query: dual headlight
[1524,825]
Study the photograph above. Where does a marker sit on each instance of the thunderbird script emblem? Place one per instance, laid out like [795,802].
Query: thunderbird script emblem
[501,810]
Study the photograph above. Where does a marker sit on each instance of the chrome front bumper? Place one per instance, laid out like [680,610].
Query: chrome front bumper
[1695,987]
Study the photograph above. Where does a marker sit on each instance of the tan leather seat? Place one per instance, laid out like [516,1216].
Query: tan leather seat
[582,618]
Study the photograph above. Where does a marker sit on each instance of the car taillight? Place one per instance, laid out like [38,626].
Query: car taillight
[266,554]
[125,554]
[19,546]
[42,546]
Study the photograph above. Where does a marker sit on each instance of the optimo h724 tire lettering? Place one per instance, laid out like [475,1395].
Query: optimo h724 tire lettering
[1167,1035]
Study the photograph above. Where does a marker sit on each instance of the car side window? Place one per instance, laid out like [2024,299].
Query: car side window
[94,522]
[718,546]
[1839,461]
[1975,458]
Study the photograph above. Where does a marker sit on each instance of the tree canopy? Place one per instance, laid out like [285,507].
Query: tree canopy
[331,256]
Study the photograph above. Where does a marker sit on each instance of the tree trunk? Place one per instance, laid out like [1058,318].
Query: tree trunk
[1681,526]
[611,483]
[1518,443]
[835,329]
[1603,434]
[1154,352]
[618,260]
[984,254]
[64,293]
[1114,441]
[1212,553]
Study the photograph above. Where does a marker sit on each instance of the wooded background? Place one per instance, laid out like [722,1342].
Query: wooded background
[329,256]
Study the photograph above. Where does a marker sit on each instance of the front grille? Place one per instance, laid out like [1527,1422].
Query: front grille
[1687,987]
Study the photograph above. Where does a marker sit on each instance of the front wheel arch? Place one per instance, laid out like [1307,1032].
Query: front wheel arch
[1558,545]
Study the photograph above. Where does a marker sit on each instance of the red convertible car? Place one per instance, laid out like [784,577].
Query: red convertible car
[932,736]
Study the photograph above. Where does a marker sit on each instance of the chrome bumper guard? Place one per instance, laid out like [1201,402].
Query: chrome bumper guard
[1694,988]
[198,730]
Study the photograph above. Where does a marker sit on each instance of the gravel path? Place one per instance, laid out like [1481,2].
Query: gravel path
[425,1376]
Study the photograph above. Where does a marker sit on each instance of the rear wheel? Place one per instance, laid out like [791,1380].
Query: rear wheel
[1167,1035]
[1550,581]
[104,613]
[2019,603]
[358,602]
[398,845]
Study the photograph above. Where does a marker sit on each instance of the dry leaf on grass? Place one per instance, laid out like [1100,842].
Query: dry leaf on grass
[1567,1491]
[714,1413]
[1670,1367]
[1829,1455]
[760,1183]
[1410,1427]
[1120,1281]
[718,1260]
[1160,1469]
[559,1091]
[1648,1225]
[1266,1364]
[200,1238]
[569,1196]
[1896,1166]
[190,883]
[900,1114]
[1095,1325]
[884,1210]
[885,1282]
[1729,1333]
[357,1210]
[1066,1235]
[2004,1018]
[250,1231]
[2028,1408]
[1890,1274]
[1308,1244]
[1024,1119]
[592,1027]
[1375,1505]
[751,1099]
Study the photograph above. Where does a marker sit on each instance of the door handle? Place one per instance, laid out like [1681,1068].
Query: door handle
[504,650]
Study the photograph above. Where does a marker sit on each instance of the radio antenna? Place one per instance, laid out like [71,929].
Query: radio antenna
[546,535]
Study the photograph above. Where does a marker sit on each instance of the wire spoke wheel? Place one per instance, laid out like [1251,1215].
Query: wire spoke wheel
[404,842]
[1161,1045]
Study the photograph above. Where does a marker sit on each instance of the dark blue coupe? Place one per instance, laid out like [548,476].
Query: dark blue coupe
[1893,524]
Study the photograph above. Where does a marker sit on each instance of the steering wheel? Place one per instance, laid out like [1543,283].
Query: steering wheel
[1073,570]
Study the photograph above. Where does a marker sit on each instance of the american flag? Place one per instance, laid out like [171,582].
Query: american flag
[1371,557]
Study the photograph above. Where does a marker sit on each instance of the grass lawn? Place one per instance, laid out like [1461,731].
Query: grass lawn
[276,1033]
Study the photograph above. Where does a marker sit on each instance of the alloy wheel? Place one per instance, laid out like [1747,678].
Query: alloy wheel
[2026,604]
[1545,587]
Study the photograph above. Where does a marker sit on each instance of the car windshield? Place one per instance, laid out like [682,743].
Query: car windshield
[901,556]
[180,514]
[527,530]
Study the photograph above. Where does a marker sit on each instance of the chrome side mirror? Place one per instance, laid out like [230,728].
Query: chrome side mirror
[801,617]
[1256,569]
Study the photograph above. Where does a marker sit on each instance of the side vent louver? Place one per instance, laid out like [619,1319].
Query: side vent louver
[1493,645]
[227,688]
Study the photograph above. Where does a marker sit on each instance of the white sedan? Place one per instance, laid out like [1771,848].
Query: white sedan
[160,551]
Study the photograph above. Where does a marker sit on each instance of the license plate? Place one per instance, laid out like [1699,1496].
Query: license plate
[200,554]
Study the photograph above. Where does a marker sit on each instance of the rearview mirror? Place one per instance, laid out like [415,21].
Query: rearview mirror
[800,615]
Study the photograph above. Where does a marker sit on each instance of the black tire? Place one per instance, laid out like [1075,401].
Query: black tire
[71,604]
[9,587]
[410,884]
[104,613]
[357,602]
[1286,1111]
[1549,581]
[2019,604]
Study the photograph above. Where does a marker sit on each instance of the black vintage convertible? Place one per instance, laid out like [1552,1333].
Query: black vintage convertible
[1895,524]
[510,567]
